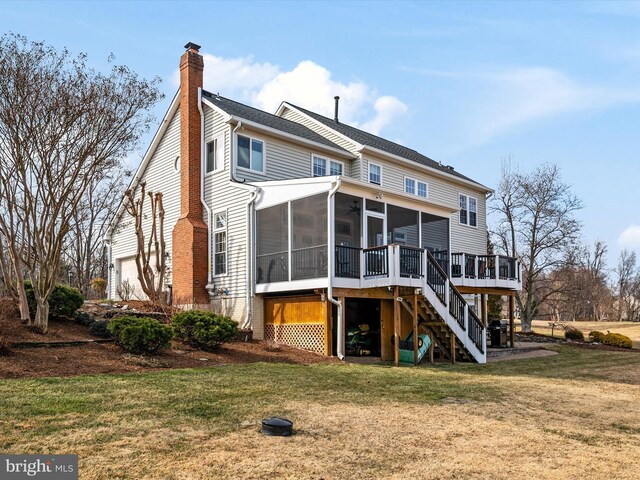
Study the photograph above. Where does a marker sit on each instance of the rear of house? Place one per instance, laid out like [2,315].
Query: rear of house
[314,233]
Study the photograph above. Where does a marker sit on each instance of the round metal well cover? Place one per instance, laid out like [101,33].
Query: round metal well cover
[276,426]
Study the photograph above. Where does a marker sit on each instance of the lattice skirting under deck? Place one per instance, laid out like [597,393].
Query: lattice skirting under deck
[308,336]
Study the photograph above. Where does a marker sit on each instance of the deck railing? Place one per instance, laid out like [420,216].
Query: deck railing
[475,329]
[411,262]
[309,262]
[376,261]
[347,261]
[481,267]
[456,305]
[272,267]
[436,278]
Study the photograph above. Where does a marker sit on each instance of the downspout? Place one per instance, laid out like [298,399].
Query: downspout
[209,285]
[254,193]
[249,268]
[330,256]
[110,268]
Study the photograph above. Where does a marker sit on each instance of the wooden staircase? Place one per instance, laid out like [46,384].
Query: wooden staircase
[447,318]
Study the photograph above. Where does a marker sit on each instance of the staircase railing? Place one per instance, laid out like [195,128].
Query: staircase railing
[452,307]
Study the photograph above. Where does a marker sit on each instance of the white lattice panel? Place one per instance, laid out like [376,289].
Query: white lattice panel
[308,336]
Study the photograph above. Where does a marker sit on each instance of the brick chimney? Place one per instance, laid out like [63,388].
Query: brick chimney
[190,236]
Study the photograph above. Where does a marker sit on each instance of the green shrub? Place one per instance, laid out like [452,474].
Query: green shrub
[204,330]
[100,328]
[140,335]
[573,334]
[64,301]
[617,340]
[597,336]
[83,318]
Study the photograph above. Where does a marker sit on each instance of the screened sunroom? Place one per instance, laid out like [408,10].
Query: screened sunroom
[358,237]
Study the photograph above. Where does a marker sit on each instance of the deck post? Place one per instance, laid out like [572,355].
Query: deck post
[452,337]
[432,347]
[484,305]
[512,333]
[415,329]
[342,335]
[328,330]
[396,327]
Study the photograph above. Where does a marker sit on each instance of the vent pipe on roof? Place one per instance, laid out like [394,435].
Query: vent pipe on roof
[335,117]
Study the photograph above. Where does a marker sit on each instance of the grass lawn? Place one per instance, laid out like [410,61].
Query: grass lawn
[630,329]
[572,415]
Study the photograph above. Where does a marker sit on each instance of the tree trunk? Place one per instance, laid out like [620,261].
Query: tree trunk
[41,322]
[23,305]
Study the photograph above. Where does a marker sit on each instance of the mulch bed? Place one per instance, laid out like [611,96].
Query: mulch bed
[539,338]
[95,358]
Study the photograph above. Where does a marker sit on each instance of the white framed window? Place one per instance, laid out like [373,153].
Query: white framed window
[220,243]
[321,167]
[423,189]
[468,210]
[416,187]
[409,185]
[214,155]
[251,154]
[375,173]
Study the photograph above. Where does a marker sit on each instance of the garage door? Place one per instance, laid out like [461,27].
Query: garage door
[129,273]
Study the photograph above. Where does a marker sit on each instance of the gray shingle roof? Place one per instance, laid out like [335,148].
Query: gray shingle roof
[380,143]
[263,118]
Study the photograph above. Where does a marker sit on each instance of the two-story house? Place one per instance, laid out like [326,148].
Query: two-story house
[301,228]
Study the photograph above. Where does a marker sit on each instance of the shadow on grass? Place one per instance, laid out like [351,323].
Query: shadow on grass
[571,363]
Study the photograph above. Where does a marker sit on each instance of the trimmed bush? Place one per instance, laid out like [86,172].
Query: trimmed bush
[617,340]
[64,301]
[205,330]
[573,334]
[597,336]
[100,328]
[140,335]
[83,318]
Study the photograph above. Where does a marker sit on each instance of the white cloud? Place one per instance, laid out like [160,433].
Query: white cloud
[308,85]
[500,100]
[630,237]
[387,109]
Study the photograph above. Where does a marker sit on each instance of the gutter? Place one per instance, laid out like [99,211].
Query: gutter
[209,285]
[331,259]
[249,243]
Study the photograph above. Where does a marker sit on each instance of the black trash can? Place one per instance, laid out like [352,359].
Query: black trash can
[498,333]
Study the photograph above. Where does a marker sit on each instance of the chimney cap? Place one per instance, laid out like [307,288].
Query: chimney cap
[192,46]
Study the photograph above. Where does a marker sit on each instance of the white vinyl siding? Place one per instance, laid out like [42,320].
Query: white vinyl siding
[284,161]
[160,176]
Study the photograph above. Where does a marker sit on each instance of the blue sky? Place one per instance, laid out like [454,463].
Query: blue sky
[466,83]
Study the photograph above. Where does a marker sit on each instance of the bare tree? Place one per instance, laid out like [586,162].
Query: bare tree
[536,223]
[61,125]
[151,277]
[84,243]
[627,285]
